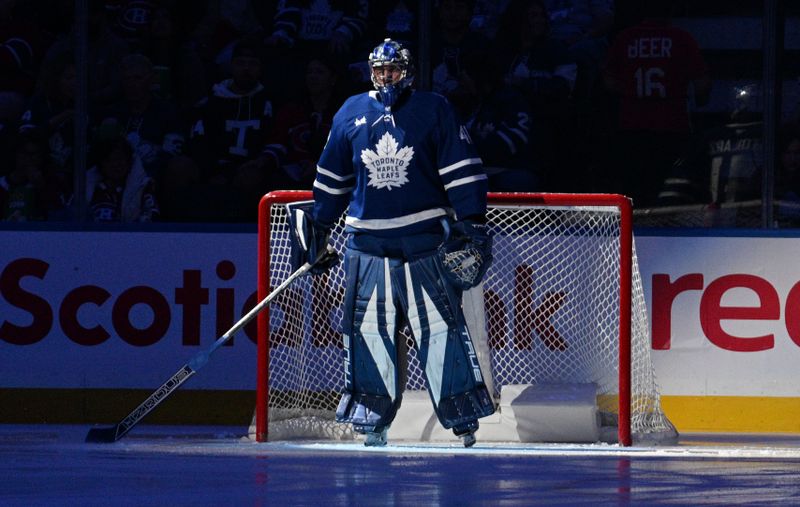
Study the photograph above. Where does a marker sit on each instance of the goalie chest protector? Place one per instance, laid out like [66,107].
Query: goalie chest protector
[401,171]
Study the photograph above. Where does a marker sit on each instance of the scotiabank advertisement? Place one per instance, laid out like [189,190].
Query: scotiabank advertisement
[725,330]
[125,310]
[724,314]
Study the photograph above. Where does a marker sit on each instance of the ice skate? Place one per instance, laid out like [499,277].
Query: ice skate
[468,439]
[376,438]
[466,432]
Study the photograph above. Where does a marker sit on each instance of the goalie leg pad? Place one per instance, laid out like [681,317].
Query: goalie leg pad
[446,352]
[373,390]
[367,413]
[462,411]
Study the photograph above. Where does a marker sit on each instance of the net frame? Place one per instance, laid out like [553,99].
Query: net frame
[647,406]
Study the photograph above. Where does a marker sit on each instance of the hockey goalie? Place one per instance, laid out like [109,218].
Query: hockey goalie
[415,191]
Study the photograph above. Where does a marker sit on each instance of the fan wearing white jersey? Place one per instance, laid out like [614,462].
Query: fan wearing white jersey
[415,192]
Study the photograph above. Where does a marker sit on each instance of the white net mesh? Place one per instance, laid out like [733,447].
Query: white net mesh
[552,316]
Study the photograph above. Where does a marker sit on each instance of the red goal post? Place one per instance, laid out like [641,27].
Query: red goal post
[564,303]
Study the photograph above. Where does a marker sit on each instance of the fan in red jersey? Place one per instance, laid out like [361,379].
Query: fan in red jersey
[652,66]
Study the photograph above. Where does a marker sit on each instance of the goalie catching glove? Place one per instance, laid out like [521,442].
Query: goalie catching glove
[465,253]
[310,239]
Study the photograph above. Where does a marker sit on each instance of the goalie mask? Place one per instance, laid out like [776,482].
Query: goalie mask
[391,70]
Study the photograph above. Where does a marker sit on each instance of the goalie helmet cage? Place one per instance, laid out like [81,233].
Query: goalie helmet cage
[564,303]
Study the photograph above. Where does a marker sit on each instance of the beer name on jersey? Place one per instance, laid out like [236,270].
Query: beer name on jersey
[650,47]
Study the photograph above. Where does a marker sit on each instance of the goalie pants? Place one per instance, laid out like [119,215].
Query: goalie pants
[402,285]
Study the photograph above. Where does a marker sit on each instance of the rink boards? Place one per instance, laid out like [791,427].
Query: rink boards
[84,311]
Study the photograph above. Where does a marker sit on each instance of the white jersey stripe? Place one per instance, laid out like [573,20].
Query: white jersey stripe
[391,223]
[333,191]
[458,165]
[464,181]
[332,175]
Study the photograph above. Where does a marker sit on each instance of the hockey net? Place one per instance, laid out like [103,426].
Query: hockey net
[564,303]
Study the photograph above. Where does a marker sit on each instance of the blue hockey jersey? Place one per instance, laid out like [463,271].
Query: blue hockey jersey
[400,172]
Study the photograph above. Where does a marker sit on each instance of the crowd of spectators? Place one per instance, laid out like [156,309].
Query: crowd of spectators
[198,108]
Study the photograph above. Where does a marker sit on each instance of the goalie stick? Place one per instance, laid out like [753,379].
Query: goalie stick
[119,430]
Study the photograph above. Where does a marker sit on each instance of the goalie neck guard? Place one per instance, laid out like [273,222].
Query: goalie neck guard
[391,53]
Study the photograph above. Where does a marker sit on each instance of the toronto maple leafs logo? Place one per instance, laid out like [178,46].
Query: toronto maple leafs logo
[388,166]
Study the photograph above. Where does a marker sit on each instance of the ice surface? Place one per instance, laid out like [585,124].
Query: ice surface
[162,465]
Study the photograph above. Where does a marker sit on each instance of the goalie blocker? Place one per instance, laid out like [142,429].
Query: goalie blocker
[309,240]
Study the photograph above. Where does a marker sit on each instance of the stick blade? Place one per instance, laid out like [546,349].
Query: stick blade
[103,435]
